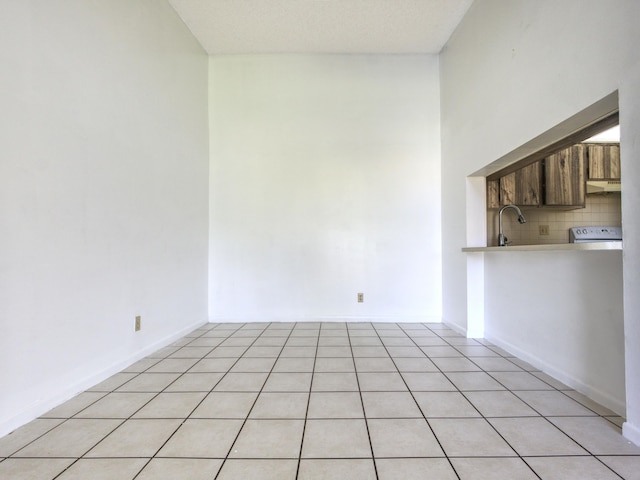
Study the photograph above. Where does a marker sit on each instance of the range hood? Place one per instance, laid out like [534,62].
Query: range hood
[603,186]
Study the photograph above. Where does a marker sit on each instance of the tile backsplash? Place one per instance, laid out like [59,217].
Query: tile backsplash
[602,209]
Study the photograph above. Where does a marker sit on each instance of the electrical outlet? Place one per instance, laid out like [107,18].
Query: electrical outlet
[543,229]
[360,297]
[137,323]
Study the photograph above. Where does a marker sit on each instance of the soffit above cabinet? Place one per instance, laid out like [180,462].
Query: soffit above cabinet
[608,136]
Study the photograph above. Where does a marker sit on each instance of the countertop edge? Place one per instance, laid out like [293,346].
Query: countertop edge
[576,247]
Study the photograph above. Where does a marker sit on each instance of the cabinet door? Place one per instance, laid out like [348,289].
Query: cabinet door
[522,187]
[564,174]
[508,189]
[493,193]
[604,161]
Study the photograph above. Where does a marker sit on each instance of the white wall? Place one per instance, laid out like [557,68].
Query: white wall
[561,311]
[103,192]
[514,69]
[630,126]
[325,182]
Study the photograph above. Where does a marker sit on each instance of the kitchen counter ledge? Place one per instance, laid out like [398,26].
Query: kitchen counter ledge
[548,247]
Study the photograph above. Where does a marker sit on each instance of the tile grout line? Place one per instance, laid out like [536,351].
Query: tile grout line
[124,420]
[118,426]
[546,417]
[244,422]
[413,396]
[510,391]
[67,418]
[306,413]
[199,403]
[364,412]
[540,415]
[480,413]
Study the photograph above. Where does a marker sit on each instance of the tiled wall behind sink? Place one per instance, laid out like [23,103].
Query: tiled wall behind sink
[602,209]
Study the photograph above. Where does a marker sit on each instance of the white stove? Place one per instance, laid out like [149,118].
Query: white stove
[595,234]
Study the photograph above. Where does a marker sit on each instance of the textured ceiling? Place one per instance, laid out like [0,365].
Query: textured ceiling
[321,26]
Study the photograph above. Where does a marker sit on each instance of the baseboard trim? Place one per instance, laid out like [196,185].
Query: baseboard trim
[337,318]
[616,405]
[456,328]
[40,407]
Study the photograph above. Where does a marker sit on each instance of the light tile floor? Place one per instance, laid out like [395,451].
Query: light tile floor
[324,401]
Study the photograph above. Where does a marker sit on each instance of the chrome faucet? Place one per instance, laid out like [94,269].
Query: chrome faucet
[502,240]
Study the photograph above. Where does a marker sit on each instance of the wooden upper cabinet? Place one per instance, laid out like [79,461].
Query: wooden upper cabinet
[565,177]
[604,161]
[522,187]
[508,189]
[556,175]
[493,193]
